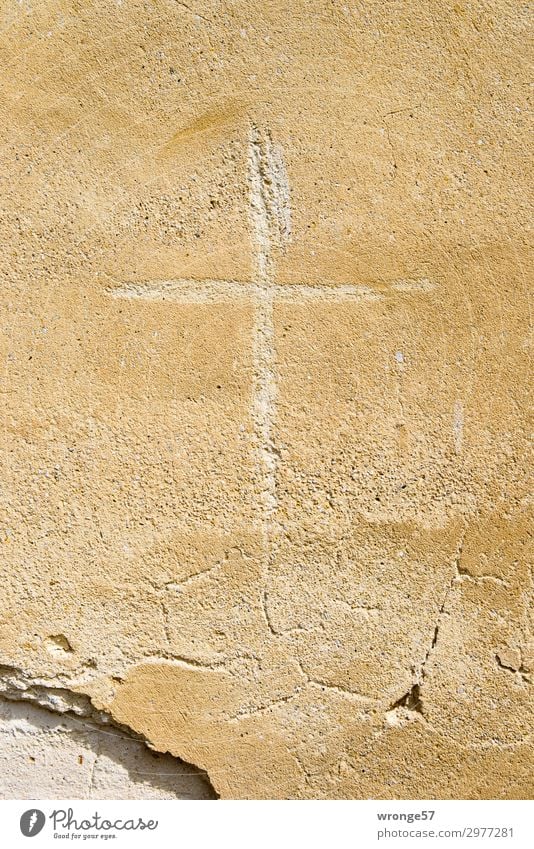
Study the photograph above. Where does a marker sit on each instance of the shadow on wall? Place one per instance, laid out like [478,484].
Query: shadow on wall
[53,756]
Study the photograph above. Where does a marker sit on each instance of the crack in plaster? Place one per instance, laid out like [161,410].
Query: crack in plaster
[265,608]
[520,669]
[413,699]
[245,714]
[186,662]
[335,688]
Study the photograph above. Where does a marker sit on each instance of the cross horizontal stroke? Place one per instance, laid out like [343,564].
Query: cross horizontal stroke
[212,291]
[270,218]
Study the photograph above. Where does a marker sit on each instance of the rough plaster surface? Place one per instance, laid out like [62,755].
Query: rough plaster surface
[265,382]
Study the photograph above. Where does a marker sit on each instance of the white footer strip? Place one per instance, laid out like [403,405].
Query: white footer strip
[258,825]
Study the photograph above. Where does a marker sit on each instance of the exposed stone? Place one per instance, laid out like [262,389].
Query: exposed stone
[68,758]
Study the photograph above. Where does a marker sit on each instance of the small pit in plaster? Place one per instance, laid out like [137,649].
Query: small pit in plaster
[58,645]
[406,709]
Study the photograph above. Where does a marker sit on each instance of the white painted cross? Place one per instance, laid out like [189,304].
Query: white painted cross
[271,223]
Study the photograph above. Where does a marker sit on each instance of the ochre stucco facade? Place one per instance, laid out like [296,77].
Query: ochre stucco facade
[265,389]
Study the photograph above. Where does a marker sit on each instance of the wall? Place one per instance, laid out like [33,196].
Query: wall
[265,341]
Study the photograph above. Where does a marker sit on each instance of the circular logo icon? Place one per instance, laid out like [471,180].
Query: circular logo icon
[32,822]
